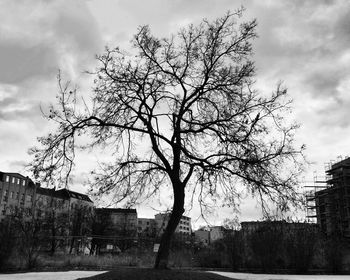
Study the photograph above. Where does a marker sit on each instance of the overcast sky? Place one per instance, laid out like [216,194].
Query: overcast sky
[305,44]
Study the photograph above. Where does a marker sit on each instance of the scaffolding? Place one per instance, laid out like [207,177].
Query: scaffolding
[328,198]
[318,184]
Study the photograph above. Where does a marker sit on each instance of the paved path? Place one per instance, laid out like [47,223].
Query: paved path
[72,275]
[62,275]
[250,276]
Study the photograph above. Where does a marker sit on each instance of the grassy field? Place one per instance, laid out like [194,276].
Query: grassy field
[126,273]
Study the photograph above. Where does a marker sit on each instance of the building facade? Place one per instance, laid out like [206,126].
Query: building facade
[122,222]
[333,202]
[16,192]
[162,219]
[202,236]
[20,193]
[146,227]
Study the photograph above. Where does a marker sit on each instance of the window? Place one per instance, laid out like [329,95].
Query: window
[12,195]
[7,178]
[23,183]
[17,195]
[18,181]
[13,180]
[6,192]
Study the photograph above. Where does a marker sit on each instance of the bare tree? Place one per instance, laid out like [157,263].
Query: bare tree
[28,227]
[179,112]
[7,241]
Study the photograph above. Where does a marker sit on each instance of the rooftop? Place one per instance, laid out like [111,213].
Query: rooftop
[62,193]
[116,210]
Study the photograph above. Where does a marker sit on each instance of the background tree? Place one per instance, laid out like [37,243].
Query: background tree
[29,232]
[7,241]
[81,220]
[301,246]
[99,228]
[179,112]
[267,243]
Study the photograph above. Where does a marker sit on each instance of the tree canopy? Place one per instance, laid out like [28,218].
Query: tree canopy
[180,111]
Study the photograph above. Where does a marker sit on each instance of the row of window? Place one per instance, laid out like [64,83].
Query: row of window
[59,203]
[15,195]
[12,209]
[184,222]
[185,228]
[15,180]
[140,222]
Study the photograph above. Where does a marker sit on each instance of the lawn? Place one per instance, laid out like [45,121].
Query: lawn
[125,273]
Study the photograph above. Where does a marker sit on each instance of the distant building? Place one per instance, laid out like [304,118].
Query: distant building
[333,202]
[217,233]
[19,193]
[208,235]
[146,227]
[202,236]
[122,222]
[162,219]
[62,200]
[16,192]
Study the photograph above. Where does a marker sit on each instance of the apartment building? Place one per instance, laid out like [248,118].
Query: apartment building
[122,222]
[146,227]
[18,192]
[61,201]
[162,219]
[208,235]
[333,202]
[202,236]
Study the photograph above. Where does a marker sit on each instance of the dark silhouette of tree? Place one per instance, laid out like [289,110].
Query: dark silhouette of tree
[99,228]
[301,245]
[187,102]
[30,238]
[7,241]
[81,220]
[267,246]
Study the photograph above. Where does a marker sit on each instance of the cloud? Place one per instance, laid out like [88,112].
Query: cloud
[18,165]
[38,37]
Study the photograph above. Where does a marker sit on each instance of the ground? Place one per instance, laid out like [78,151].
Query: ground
[149,274]
[250,276]
[153,274]
[61,275]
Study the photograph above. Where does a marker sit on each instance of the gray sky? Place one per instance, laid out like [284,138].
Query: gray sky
[305,44]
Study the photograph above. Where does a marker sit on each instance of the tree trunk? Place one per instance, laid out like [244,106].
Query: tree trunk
[176,214]
[71,245]
[53,235]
